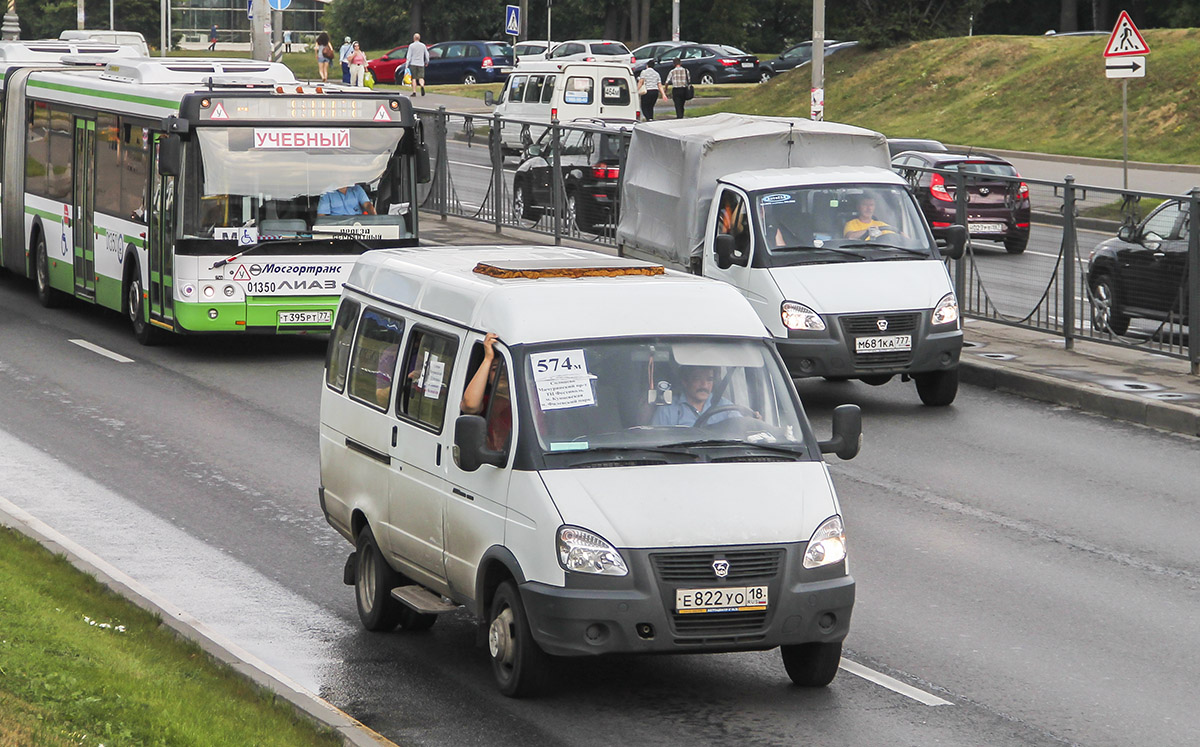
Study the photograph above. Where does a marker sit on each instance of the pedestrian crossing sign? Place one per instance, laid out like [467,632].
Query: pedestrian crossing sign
[1125,39]
[512,20]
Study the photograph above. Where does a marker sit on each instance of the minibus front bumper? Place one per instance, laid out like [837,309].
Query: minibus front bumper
[637,613]
[834,351]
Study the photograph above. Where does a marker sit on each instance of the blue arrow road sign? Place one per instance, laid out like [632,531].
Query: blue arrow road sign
[280,4]
[512,20]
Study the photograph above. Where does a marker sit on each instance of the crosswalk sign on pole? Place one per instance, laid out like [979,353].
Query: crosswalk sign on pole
[1125,39]
[512,20]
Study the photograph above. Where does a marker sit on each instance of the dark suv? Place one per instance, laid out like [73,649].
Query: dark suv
[997,200]
[590,160]
[1142,272]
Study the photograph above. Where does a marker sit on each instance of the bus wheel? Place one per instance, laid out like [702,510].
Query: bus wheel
[135,306]
[47,296]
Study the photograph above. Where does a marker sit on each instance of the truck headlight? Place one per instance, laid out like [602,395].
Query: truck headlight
[581,551]
[828,544]
[799,317]
[946,311]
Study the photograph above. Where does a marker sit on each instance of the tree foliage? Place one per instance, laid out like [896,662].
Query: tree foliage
[44,19]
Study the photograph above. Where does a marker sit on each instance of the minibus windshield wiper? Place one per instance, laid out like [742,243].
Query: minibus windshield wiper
[298,240]
[647,450]
[794,451]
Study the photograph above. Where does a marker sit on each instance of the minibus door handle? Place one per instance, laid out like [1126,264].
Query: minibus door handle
[393,436]
[438,456]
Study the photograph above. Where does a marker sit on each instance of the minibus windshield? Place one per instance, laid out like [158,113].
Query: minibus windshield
[840,223]
[676,395]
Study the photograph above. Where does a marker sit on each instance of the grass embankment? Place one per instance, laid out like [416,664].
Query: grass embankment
[1017,92]
[81,666]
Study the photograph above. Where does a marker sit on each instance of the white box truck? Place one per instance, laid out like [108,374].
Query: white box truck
[808,221]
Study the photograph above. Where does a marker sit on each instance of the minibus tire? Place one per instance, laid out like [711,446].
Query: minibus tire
[518,663]
[812,664]
[937,388]
[373,583]
[48,296]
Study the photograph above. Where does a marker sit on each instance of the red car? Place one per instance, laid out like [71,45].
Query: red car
[384,69]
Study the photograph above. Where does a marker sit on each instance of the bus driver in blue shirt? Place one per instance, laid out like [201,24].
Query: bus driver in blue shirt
[697,384]
[350,200]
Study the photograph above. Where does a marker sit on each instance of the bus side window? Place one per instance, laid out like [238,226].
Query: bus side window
[135,170]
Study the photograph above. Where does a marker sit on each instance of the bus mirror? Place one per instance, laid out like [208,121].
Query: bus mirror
[170,155]
[424,174]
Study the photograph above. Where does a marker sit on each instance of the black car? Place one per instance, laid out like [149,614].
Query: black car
[897,145]
[710,63]
[590,160]
[997,200]
[796,55]
[1142,272]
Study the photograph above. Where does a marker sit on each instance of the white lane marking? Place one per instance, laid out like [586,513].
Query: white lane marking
[102,351]
[891,683]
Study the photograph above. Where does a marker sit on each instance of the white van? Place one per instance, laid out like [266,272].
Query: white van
[124,38]
[538,92]
[638,482]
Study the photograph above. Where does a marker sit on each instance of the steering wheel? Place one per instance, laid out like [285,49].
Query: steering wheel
[707,414]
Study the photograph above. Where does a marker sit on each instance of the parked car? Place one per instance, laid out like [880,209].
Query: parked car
[386,68]
[647,53]
[592,50]
[1142,272]
[711,63]
[898,145]
[590,160]
[531,50]
[997,200]
[797,55]
[468,62]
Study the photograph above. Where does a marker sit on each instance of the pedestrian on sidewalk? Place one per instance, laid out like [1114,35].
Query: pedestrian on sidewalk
[212,38]
[651,88]
[344,57]
[324,56]
[680,81]
[287,42]
[416,59]
[358,65]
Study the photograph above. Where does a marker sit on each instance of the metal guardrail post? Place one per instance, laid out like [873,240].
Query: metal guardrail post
[1069,250]
[622,158]
[497,171]
[556,180]
[443,128]
[1193,289]
[960,217]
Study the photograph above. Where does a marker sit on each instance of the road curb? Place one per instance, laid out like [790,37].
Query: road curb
[1116,405]
[306,703]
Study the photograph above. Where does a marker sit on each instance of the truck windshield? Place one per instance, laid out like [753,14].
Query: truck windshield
[830,223]
[289,184]
[689,397]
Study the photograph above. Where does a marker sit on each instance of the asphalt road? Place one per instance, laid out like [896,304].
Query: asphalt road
[1035,567]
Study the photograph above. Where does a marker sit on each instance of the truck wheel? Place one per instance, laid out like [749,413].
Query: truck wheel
[812,664]
[937,388]
[47,296]
[373,583]
[519,664]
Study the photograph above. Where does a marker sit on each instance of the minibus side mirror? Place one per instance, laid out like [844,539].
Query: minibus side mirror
[952,240]
[489,98]
[847,432]
[724,248]
[470,451]
[170,155]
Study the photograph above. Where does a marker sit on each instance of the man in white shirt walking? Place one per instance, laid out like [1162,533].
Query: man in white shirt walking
[417,58]
[344,56]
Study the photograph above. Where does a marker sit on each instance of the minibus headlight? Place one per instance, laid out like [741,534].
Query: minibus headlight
[946,311]
[581,551]
[800,317]
[828,544]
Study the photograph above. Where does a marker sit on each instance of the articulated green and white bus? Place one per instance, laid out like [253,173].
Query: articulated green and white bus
[187,193]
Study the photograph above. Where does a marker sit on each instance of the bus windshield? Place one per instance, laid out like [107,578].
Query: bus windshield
[337,182]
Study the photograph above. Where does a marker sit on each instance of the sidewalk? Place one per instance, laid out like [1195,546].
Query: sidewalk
[1132,385]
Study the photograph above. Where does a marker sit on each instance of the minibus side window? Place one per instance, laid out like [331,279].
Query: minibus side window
[497,399]
[548,89]
[578,90]
[614,92]
[516,89]
[533,89]
[337,357]
[373,364]
[427,367]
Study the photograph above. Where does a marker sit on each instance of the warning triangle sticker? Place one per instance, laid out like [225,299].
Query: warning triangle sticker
[1125,39]
[382,115]
[219,111]
[242,273]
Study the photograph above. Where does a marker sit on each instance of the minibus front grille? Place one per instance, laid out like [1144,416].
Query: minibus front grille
[697,567]
[869,324]
[718,625]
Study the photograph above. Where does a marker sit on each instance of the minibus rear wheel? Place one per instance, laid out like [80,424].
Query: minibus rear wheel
[373,583]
